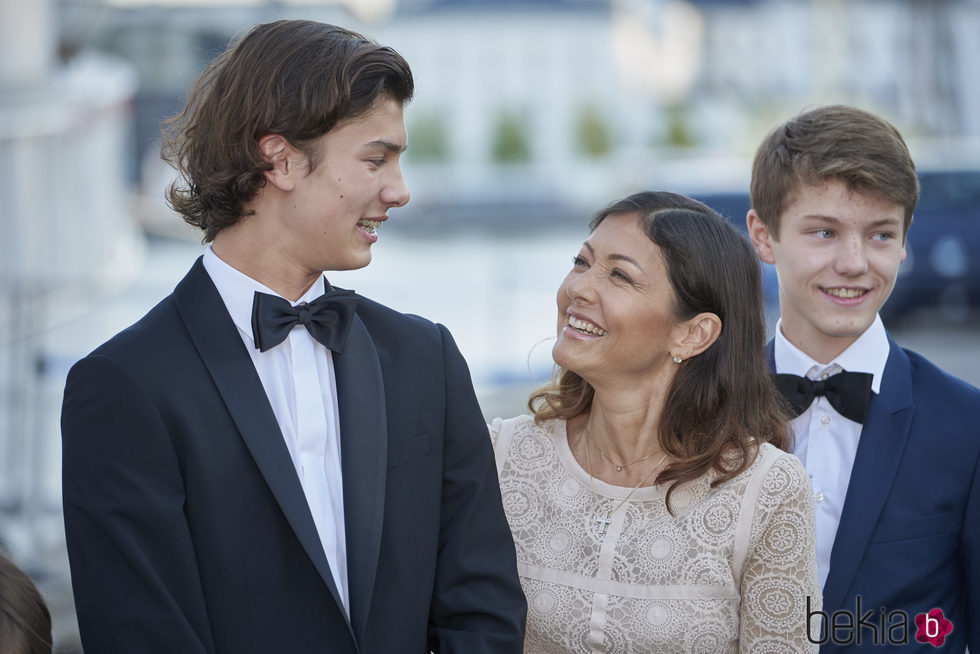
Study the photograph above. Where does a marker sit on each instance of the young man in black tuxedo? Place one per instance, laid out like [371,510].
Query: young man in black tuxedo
[264,463]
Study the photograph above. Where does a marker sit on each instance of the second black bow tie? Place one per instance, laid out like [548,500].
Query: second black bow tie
[328,319]
[848,392]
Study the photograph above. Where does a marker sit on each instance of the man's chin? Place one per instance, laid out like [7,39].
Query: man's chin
[354,263]
[849,329]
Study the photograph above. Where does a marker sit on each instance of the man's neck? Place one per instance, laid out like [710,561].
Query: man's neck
[819,346]
[823,353]
[259,259]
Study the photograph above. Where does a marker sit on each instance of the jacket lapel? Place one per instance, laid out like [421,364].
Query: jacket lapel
[882,443]
[220,346]
[364,456]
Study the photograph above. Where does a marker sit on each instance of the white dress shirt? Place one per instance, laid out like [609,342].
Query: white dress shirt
[825,441]
[298,378]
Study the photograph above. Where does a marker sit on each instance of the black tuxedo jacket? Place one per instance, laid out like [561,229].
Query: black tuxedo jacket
[909,535]
[187,527]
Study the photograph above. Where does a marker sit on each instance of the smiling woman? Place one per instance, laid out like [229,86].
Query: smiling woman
[615,308]
[650,485]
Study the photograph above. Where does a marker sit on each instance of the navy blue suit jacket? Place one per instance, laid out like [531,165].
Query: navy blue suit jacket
[909,534]
[187,527]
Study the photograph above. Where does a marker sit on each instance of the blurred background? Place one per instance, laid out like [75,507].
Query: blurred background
[529,116]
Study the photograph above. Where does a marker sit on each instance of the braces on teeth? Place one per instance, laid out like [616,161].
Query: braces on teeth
[371,226]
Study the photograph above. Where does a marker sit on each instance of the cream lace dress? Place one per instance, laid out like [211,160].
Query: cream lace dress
[730,572]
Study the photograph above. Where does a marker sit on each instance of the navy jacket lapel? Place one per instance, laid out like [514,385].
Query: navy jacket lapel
[883,438]
[220,346]
[364,456]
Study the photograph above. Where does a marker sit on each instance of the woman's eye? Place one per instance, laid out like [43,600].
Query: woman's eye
[621,275]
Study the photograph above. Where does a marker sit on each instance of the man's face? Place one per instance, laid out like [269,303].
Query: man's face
[837,259]
[332,214]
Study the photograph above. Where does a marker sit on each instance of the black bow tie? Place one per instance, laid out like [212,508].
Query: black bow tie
[848,392]
[328,319]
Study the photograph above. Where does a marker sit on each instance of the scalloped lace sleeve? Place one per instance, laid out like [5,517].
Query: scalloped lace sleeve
[501,435]
[494,429]
[780,569]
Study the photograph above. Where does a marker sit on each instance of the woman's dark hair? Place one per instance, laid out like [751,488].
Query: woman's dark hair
[722,403]
[25,622]
[296,78]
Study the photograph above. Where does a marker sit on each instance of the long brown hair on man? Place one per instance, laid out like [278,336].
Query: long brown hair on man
[286,92]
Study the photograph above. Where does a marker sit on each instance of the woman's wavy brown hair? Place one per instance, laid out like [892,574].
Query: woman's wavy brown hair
[722,404]
[25,622]
[295,78]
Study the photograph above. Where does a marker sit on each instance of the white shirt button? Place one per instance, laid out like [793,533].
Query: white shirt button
[818,497]
[825,421]
[824,376]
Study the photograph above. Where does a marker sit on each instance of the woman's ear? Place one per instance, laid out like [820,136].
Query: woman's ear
[697,334]
[281,154]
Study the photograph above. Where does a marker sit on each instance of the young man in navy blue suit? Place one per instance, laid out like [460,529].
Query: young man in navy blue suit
[264,463]
[891,442]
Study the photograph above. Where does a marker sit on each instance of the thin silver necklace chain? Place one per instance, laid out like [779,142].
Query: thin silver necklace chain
[606,518]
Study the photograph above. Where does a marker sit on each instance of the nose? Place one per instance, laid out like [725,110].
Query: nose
[395,193]
[851,259]
[579,286]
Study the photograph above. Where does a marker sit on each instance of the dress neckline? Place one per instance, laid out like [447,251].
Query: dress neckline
[559,434]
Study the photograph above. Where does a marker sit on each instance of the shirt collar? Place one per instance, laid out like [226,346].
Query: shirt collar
[237,290]
[868,353]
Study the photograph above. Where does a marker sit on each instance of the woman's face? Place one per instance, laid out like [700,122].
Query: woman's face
[616,323]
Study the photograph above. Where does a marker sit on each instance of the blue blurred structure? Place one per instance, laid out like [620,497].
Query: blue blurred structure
[942,268]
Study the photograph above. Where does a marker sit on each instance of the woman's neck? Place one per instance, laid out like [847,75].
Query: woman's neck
[625,426]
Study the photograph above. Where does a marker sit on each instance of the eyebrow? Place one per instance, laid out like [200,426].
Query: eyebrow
[617,257]
[387,145]
[884,222]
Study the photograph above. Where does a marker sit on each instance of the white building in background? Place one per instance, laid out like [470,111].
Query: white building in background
[550,68]
[581,100]
[917,62]
[66,237]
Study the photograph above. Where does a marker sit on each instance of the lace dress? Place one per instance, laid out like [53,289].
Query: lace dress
[730,572]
